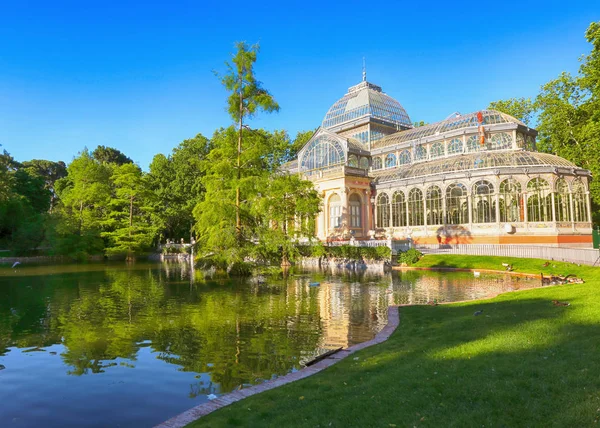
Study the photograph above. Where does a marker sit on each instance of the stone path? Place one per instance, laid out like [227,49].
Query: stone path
[197,412]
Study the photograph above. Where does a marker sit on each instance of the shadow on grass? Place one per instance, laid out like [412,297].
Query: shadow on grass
[523,362]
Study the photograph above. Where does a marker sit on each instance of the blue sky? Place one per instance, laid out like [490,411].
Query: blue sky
[138,75]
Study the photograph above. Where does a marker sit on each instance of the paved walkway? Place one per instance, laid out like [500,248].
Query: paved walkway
[197,412]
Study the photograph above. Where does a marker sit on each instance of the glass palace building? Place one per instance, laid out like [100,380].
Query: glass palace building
[473,178]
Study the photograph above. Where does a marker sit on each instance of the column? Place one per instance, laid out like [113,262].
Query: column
[321,224]
[553,208]
[470,210]
[444,208]
[497,198]
[572,211]
[344,217]
[368,225]
[589,207]
[424,203]
[525,213]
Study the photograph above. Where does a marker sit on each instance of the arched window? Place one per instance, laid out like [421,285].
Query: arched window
[539,202]
[435,210]
[420,153]
[520,140]
[511,203]
[390,160]
[404,157]
[562,205]
[398,209]
[580,201]
[377,163]
[473,144]
[383,210]
[436,151]
[355,210]
[335,211]
[455,146]
[457,211]
[484,207]
[353,161]
[364,163]
[415,208]
[322,153]
[500,141]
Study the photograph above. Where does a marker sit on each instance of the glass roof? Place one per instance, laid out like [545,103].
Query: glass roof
[472,161]
[490,117]
[366,100]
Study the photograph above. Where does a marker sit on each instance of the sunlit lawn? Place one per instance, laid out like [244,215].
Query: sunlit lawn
[523,362]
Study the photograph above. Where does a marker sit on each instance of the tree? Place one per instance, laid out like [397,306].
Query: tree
[419,124]
[519,108]
[288,207]
[569,115]
[176,184]
[50,172]
[127,220]
[84,195]
[109,155]
[247,97]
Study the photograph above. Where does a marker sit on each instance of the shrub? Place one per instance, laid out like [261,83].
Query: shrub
[239,269]
[369,253]
[409,257]
[318,250]
[383,253]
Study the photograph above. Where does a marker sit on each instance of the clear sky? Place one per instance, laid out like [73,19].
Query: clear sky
[138,76]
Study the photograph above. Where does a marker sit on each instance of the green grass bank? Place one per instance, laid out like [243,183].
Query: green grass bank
[523,362]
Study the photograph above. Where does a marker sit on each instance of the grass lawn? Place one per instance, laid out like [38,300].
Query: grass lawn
[524,362]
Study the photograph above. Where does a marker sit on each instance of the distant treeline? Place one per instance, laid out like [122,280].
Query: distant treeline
[103,203]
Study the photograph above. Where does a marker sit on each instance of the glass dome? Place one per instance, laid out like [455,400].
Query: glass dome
[473,161]
[366,100]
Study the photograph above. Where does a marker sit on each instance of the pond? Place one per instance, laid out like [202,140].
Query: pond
[117,345]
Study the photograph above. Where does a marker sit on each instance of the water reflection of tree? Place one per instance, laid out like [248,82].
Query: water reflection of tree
[103,317]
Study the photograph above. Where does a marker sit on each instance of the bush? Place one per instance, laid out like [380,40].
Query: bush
[383,253]
[369,253]
[240,269]
[318,250]
[409,257]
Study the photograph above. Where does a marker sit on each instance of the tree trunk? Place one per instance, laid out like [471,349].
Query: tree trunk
[238,220]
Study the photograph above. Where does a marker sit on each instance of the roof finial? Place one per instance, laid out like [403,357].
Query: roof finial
[364,70]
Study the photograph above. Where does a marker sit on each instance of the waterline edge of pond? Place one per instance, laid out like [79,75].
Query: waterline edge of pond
[204,409]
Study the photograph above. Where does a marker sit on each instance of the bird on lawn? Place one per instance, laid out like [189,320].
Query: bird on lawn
[478,312]
[546,264]
[557,303]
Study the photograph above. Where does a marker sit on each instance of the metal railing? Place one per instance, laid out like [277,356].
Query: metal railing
[587,256]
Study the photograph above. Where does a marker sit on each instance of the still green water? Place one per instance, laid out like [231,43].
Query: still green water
[116,345]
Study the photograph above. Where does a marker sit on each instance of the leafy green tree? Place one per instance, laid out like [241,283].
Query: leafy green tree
[50,172]
[33,189]
[84,195]
[128,220]
[419,124]
[110,155]
[176,184]
[569,115]
[288,208]
[519,108]
[7,164]
[247,97]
